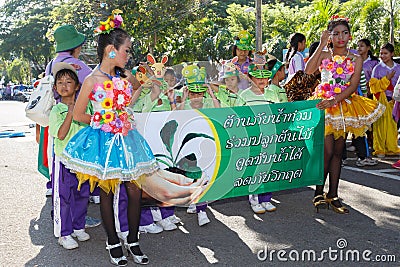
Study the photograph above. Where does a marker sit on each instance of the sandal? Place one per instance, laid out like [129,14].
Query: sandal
[337,206]
[319,201]
[121,261]
[139,259]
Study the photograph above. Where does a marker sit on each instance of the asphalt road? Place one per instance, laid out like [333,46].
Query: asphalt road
[235,236]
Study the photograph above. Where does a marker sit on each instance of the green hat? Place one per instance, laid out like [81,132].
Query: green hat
[276,67]
[195,78]
[68,38]
[259,67]
[244,41]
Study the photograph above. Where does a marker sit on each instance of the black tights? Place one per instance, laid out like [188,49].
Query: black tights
[333,150]
[107,215]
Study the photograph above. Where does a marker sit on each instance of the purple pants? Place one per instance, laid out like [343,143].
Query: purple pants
[201,207]
[260,198]
[121,215]
[69,204]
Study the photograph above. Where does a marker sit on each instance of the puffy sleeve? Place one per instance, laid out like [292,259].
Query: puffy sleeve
[378,85]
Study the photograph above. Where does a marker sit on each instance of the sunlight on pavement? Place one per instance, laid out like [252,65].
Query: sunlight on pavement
[208,253]
[366,199]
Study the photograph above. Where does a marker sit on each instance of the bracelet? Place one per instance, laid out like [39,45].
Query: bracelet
[173,102]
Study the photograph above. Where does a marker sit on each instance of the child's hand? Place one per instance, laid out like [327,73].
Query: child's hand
[389,75]
[210,91]
[170,94]
[185,93]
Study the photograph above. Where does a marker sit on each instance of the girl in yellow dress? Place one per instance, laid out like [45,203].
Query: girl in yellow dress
[345,112]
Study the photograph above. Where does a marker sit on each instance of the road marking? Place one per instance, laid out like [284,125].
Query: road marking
[380,173]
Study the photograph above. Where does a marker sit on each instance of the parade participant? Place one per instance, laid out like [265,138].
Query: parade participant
[242,49]
[111,151]
[294,58]
[69,204]
[255,95]
[302,85]
[369,62]
[69,44]
[68,48]
[344,110]
[173,83]
[227,93]
[194,98]
[156,219]
[383,79]
[274,92]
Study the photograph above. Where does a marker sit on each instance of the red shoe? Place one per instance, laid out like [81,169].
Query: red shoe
[396,165]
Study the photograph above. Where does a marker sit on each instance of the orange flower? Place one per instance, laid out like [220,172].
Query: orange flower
[339,70]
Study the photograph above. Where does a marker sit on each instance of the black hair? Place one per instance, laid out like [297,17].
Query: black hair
[61,73]
[333,23]
[312,48]
[116,37]
[294,40]
[368,43]
[388,46]
[170,71]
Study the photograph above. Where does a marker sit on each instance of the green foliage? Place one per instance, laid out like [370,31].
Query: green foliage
[18,71]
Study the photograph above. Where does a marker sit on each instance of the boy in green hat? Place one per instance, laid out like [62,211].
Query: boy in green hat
[256,95]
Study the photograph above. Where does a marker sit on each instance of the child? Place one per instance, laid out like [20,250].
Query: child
[242,49]
[383,79]
[227,94]
[274,92]
[194,98]
[70,205]
[297,44]
[173,83]
[256,95]
[111,151]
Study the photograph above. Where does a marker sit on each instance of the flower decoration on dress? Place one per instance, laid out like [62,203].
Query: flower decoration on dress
[114,97]
[339,17]
[339,67]
[113,21]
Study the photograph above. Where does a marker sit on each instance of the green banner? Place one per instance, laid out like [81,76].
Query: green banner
[243,150]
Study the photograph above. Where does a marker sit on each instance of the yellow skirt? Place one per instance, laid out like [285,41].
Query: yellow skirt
[353,115]
[105,185]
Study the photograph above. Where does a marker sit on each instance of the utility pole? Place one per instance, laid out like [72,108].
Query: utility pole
[258,25]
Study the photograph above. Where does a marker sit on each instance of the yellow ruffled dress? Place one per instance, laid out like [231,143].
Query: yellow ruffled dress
[353,115]
[385,128]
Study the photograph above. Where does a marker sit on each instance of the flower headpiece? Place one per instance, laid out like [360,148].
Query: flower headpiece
[339,17]
[113,21]
[245,41]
